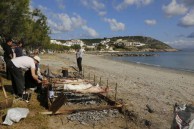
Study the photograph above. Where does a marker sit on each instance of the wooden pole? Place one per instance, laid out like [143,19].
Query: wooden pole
[83,73]
[94,79]
[100,81]
[4,92]
[107,88]
[116,93]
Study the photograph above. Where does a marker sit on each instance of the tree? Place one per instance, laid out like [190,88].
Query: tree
[12,15]
[37,30]
[18,22]
[101,46]
[75,47]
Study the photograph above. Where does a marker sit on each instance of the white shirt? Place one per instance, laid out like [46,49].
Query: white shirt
[24,62]
[79,54]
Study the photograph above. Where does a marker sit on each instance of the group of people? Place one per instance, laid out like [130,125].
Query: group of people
[16,64]
[22,69]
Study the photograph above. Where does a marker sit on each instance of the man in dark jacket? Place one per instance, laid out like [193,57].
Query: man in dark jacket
[8,54]
[18,49]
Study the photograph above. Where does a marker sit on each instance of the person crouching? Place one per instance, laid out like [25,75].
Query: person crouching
[16,66]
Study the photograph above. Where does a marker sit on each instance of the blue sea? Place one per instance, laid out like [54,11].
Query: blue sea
[180,60]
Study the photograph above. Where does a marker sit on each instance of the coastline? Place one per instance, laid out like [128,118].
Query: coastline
[138,85]
[155,66]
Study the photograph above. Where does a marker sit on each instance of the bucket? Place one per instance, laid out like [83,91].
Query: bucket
[65,72]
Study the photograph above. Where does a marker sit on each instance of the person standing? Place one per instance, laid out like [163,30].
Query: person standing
[16,66]
[79,56]
[8,54]
[19,49]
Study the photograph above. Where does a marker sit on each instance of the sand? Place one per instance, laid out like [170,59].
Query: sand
[138,85]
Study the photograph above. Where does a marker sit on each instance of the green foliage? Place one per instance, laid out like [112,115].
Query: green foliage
[119,46]
[56,47]
[90,41]
[12,15]
[76,46]
[150,42]
[19,23]
[37,31]
[101,46]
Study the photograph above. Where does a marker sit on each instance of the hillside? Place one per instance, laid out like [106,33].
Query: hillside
[126,43]
[149,42]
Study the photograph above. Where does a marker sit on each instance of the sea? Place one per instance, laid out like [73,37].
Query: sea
[181,60]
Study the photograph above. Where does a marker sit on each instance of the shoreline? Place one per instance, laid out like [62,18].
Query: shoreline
[138,85]
[155,66]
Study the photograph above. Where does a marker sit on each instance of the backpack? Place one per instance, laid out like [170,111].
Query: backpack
[183,117]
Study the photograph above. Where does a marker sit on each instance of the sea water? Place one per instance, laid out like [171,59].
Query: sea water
[180,60]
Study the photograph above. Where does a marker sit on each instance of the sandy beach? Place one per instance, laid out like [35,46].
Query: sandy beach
[138,85]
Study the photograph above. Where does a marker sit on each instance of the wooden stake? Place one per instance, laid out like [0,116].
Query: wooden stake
[116,93]
[94,79]
[100,81]
[4,92]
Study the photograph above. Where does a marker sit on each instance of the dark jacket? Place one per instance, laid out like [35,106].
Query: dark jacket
[7,52]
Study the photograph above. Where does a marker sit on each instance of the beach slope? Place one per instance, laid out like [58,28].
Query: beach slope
[139,86]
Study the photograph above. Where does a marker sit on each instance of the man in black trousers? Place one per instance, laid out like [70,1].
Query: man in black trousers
[79,55]
[15,66]
[8,54]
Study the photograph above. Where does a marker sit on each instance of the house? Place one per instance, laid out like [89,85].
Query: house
[136,44]
[74,42]
[52,41]
[68,43]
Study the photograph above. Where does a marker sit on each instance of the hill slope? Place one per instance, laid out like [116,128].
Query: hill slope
[150,43]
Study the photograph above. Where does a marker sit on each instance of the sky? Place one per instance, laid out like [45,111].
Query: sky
[170,21]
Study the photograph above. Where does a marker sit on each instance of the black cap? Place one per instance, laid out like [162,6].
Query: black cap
[9,39]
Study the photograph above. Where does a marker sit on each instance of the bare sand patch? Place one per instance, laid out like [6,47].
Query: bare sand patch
[140,85]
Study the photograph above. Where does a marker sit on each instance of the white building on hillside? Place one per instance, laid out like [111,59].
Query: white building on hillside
[68,43]
[74,42]
[105,41]
[136,44]
[52,41]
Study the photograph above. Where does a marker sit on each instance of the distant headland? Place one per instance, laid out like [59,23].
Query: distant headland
[122,43]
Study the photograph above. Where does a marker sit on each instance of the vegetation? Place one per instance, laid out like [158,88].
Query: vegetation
[19,23]
[150,43]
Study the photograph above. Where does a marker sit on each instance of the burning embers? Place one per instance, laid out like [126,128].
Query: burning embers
[91,117]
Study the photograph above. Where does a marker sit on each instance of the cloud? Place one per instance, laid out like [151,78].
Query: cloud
[188,19]
[102,13]
[181,44]
[61,4]
[188,2]
[174,9]
[42,8]
[127,3]
[150,22]
[95,5]
[191,35]
[63,22]
[91,32]
[60,23]
[114,25]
